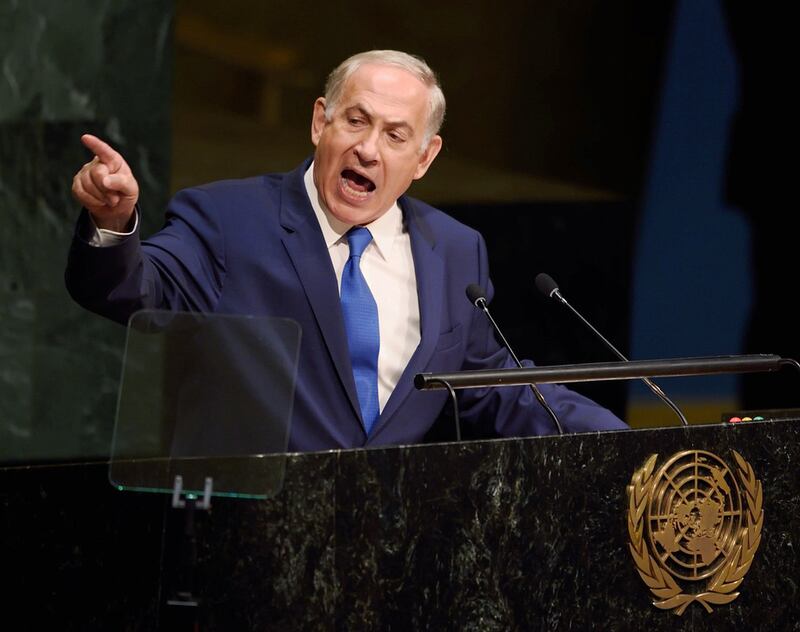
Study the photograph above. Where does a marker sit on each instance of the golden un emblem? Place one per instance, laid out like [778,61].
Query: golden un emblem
[694,522]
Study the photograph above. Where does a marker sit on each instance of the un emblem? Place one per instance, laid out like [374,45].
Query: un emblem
[694,520]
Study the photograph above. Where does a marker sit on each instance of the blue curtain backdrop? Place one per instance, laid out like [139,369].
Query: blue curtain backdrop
[691,287]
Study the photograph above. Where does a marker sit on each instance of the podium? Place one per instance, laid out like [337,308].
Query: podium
[512,534]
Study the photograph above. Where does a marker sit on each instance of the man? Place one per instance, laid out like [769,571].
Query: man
[282,245]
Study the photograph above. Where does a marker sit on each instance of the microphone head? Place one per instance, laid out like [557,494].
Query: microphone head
[475,293]
[545,284]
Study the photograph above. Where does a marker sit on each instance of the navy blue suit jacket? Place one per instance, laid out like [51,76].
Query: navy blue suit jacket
[254,246]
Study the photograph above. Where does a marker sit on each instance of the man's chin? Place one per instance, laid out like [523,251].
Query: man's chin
[356,214]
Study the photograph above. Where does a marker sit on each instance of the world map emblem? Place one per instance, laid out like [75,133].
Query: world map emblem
[694,526]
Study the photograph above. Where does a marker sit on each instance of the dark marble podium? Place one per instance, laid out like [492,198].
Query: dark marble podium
[526,534]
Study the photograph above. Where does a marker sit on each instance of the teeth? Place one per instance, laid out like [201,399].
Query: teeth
[351,191]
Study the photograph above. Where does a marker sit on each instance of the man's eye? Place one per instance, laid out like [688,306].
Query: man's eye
[355,121]
[396,138]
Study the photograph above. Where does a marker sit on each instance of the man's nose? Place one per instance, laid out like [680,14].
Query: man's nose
[367,147]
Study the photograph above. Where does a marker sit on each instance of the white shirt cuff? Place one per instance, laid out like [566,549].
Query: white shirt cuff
[102,237]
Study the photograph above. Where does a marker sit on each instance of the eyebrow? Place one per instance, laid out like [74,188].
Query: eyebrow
[393,124]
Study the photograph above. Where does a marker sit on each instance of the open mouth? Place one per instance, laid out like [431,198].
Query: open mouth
[355,184]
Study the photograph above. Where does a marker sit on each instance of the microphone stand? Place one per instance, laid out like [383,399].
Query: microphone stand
[548,287]
[475,296]
[652,385]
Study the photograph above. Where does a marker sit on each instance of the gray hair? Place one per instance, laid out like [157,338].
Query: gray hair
[334,86]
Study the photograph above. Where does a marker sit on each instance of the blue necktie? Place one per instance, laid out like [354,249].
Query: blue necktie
[361,324]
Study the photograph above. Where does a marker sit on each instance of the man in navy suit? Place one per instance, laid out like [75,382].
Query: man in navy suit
[278,245]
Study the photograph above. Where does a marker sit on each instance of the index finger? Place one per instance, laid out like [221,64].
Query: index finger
[104,151]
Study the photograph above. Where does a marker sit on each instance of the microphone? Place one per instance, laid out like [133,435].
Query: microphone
[476,297]
[547,286]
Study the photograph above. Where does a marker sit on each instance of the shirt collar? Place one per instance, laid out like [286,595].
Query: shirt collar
[385,229]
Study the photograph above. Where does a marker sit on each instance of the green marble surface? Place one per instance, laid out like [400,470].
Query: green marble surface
[68,68]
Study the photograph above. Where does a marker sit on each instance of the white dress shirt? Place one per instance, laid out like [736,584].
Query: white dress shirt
[388,267]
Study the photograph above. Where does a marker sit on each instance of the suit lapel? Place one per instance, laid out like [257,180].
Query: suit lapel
[305,245]
[429,270]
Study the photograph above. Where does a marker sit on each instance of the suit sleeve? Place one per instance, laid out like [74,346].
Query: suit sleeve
[180,268]
[515,411]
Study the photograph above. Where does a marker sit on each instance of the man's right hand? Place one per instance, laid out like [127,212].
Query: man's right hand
[106,186]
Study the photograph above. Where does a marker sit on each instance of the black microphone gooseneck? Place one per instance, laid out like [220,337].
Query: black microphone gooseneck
[476,297]
[547,286]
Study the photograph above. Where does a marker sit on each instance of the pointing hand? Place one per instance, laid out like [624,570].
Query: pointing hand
[106,186]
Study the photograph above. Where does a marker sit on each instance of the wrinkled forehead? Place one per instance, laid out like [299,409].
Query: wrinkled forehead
[386,90]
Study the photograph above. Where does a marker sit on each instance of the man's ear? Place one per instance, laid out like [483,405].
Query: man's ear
[427,156]
[318,121]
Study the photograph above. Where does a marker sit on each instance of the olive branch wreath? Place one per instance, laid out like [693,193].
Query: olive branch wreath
[721,587]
